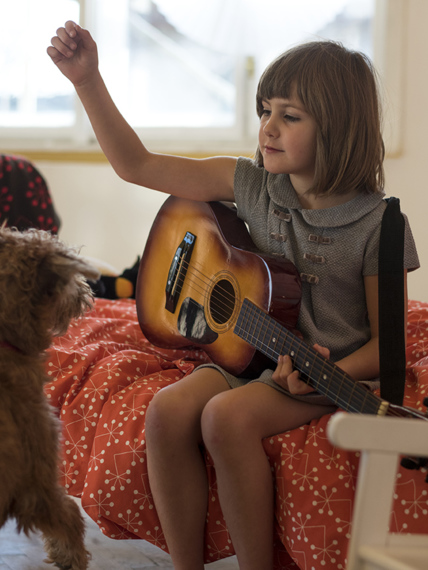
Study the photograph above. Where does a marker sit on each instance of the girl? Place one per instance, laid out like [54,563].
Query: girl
[313,193]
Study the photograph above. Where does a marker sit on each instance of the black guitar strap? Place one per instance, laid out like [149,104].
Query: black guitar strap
[392,349]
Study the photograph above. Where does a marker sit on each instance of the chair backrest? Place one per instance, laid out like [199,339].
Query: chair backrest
[381,441]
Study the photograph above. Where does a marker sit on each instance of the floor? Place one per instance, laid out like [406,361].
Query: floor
[17,552]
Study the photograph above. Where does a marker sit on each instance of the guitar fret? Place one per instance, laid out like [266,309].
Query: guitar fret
[279,341]
[272,339]
[322,374]
[332,377]
[265,330]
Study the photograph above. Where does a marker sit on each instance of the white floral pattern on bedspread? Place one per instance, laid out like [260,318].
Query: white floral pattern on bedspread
[103,375]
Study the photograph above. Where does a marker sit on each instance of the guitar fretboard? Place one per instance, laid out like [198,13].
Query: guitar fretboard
[272,339]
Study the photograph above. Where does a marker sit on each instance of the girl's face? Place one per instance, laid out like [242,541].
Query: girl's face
[287,140]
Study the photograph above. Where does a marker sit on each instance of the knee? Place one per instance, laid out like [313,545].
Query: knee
[161,414]
[225,425]
[169,417]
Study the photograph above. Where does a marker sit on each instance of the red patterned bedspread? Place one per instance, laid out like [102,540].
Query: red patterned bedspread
[103,376]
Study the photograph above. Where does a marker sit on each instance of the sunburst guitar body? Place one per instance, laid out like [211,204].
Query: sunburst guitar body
[198,266]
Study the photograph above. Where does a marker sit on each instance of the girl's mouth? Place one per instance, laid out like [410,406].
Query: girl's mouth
[271,150]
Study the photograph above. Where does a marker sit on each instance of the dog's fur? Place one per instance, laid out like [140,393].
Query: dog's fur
[42,287]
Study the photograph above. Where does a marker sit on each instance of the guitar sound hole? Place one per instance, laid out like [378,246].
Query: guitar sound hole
[222,302]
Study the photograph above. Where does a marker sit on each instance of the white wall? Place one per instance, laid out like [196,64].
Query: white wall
[406,175]
[111,219]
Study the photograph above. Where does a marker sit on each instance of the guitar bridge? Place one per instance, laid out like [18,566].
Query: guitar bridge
[177,271]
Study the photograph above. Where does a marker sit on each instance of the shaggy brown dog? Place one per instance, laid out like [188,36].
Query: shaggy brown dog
[42,287]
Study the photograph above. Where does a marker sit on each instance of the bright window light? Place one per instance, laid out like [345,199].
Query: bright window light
[188,65]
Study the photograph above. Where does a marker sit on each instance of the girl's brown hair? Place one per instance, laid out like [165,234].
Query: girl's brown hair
[338,88]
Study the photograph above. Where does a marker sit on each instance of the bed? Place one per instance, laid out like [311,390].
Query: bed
[104,372]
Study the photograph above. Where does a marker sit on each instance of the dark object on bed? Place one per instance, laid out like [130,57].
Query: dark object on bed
[25,201]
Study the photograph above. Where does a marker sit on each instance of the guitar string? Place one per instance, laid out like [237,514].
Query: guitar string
[307,348]
[317,356]
[336,385]
[233,299]
[209,283]
[319,361]
[320,364]
[345,395]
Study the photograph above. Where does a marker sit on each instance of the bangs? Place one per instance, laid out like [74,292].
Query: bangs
[278,80]
[292,73]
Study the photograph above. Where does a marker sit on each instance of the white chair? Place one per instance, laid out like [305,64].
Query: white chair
[381,441]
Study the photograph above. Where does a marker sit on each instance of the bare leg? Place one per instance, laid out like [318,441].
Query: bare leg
[233,426]
[176,467]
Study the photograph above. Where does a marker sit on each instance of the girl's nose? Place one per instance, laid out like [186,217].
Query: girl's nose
[270,128]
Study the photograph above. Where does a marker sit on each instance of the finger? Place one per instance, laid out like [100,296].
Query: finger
[63,43]
[281,381]
[84,37]
[54,54]
[297,386]
[322,350]
[58,50]
[71,28]
[282,371]
[68,37]
[284,366]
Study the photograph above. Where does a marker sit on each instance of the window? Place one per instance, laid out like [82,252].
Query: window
[181,72]
[32,96]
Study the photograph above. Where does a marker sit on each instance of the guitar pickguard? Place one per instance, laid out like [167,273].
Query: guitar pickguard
[192,324]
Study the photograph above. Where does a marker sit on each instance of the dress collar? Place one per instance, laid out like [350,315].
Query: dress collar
[281,191]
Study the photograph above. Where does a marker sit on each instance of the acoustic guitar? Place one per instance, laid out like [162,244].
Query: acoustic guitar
[202,283]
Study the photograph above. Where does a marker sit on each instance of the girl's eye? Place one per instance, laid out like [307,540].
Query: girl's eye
[291,118]
[265,112]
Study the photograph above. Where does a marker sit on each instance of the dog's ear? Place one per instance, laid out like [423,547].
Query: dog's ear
[60,270]
[68,264]
[64,293]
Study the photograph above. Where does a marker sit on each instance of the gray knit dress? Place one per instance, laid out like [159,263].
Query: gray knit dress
[333,250]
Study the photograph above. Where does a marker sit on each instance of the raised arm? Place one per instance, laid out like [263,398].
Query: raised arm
[74,52]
